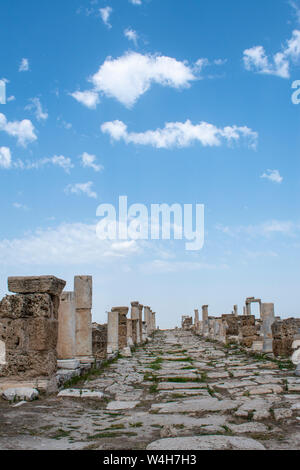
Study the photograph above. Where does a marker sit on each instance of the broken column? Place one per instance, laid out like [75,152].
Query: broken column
[235,310]
[66,345]
[153,321]
[205,320]
[99,336]
[112,332]
[147,316]
[29,332]
[129,333]
[196,321]
[296,353]
[122,327]
[135,315]
[268,318]
[83,305]
[141,321]
[144,333]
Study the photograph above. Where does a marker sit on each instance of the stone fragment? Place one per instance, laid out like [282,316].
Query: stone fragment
[36,285]
[79,393]
[206,443]
[282,413]
[121,405]
[201,404]
[248,428]
[24,394]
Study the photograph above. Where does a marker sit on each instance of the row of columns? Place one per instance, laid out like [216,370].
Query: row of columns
[267,317]
[123,332]
[75,323]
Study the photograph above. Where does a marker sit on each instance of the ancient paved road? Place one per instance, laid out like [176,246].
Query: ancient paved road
[177,392]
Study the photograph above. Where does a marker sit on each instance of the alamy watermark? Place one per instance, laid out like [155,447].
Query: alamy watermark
[296,94]
[161,222]
[2,92]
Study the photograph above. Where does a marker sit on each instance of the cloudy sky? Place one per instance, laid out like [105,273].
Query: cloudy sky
[163,101]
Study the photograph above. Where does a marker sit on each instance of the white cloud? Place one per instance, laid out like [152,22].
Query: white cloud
[105,15]
[130,76]
[272,175]
[81,188]
[90,99]
[256,59]
[5,157]
[67,245]
[11,98]
[88,160]
[131,35]
[296,9]
[38,110]
[22,130]
[24,65]
[57,160]
[136,2]
[19,206]
[181,134]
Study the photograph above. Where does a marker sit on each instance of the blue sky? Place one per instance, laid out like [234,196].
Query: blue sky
[90,87]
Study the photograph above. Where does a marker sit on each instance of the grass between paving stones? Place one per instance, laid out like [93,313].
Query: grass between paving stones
[91,374]
[103,435]
[186,359]
[60,433]
[155,365]
[236,349]
[153,388]
[181,379]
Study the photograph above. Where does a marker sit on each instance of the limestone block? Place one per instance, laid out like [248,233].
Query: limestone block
[42,334]
[69,364]
[36,284]
[23,393]
[80,393]
[25,306]
[83,288]
[99,337]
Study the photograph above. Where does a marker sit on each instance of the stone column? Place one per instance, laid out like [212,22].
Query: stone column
[235,310]
[122,311]
[144,334]
[135,315]
[29,332]
[66,345]
[129,332]
[83,306]
[268,318]
[196,321]
[153,321]
[112,332]
[141,321]
[244,311]
[147,317]
[205,320]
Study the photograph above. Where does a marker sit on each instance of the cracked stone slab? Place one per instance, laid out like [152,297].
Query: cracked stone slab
[122,405]
[80,393]
[248,428]
[180,385]
[202,404]
[206,443]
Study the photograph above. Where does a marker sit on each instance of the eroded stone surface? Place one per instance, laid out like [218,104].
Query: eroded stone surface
[149,401]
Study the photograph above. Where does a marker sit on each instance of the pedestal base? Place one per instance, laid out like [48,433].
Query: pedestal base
[70,364]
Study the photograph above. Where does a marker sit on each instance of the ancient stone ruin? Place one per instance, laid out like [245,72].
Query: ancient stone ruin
[47,336]
[267,334]
[29,332]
